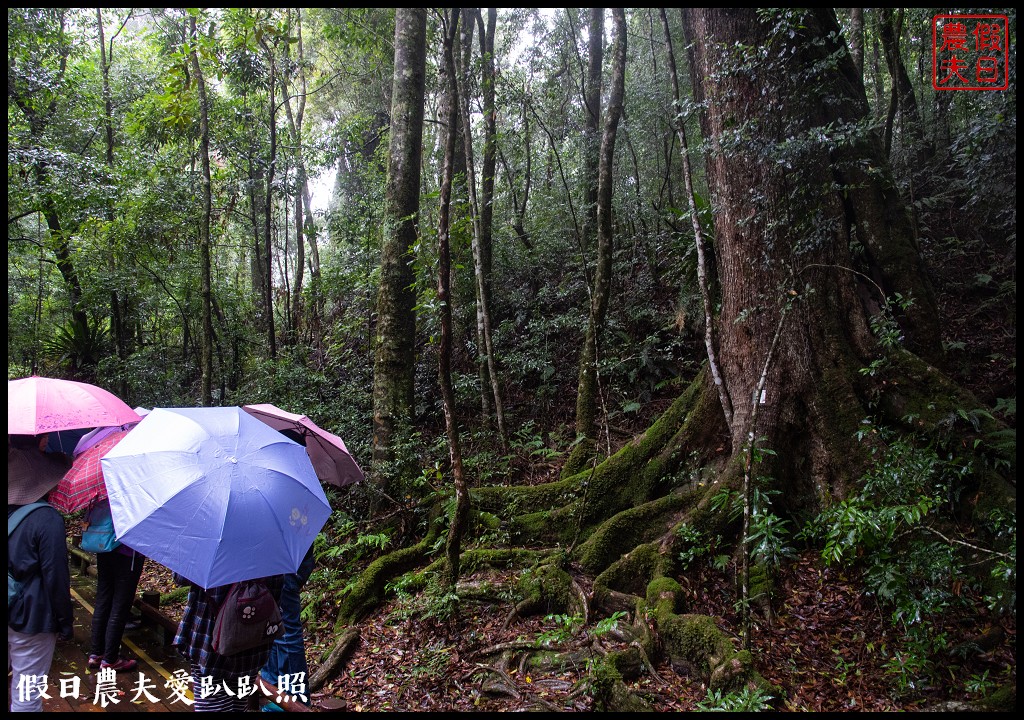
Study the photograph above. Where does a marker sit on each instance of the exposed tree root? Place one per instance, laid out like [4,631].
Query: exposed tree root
[621,520]
[339,653]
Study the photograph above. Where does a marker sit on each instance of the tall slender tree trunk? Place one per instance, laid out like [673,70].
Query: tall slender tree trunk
[588,389]
[917,150]
[304,222]
[857,39]
[206,336]
[394,348]
[679,122]
[116,315]
[268,210]
[460,517]
[591,127]
[486,35]
[479,254]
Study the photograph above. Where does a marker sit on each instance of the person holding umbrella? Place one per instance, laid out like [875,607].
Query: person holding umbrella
[218,680]
[235,502]
[288,653]
[37,557]
[118,567]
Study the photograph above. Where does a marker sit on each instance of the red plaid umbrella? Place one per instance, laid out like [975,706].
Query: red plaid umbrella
[84,483]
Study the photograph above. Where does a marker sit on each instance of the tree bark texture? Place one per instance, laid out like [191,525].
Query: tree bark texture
[394,351]
[787,209]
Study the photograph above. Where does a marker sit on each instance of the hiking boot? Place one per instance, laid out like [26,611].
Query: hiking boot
[94,661]
[122,665]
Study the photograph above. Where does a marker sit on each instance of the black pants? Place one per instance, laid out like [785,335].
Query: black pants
[117,578]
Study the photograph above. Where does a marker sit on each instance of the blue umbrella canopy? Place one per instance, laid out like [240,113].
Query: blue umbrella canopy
[214,495]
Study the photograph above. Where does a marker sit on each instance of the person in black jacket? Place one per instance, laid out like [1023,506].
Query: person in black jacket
[37,555]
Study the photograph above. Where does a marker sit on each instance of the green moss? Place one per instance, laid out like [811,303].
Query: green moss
[631,572]
[692,640]
[546,589]
[665,594]
[368,590]
[506,502]
[629,528]
[761,583]
[580,459]
[1002,700]
[488,520]
[479,559]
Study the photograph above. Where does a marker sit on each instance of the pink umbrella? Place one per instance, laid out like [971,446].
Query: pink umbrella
[331,460]
[93,437]
[84,483]
[38,405]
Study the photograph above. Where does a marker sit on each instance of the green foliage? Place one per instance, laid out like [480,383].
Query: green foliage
[566,626]
[1002,526]
[530,441]
[433,602]
[768,534]
[608,624]
[746,700]
[893,530]
[78,343]
[696,545]
[980,685]
[886,329]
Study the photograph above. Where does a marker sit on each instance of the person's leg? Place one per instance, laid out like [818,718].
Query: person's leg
[106,572]
[127,572]
[288,653]
[28,658]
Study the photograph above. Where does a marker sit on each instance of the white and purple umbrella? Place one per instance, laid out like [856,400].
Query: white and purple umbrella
[214,495]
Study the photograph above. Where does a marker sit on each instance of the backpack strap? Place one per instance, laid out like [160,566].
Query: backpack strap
[15,519]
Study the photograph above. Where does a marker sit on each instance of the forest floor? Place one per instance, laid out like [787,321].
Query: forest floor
[829,648]
[829,645]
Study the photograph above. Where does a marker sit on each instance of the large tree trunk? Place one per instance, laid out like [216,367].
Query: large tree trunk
[394,356]
[787,211]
